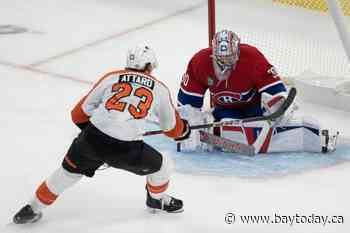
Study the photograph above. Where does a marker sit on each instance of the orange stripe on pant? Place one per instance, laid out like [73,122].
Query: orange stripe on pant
[157,189]
[44,194]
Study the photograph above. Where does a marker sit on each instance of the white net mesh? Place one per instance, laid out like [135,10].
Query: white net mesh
[317,5]
[294,39]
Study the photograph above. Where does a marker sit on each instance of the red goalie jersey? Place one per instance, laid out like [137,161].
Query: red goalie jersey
[241,90]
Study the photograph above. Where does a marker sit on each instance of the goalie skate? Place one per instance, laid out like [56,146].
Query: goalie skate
[167,203]
[26,215]
[329,142]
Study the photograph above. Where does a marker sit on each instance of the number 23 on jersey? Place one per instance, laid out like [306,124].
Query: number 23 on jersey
[123,90]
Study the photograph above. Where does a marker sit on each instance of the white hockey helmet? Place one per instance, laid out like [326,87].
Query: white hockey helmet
[139,57]
[225,46]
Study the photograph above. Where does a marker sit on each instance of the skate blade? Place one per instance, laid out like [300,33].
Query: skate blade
[155,211]
[37,218]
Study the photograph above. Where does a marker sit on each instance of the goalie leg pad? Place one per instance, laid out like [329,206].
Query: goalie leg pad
[247,134]
[299,134]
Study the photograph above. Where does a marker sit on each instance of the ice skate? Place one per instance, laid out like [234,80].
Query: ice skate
[329,142]
[166,203]
[26,215]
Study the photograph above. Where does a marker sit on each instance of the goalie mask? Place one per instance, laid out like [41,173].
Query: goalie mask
[225,50]
[139,57]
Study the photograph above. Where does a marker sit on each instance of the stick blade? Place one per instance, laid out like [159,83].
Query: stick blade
[227,144]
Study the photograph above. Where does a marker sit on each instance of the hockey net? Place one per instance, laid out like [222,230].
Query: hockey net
[296,36]
[301,38]
[317,5]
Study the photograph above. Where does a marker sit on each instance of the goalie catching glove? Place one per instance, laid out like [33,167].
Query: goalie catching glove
[186,132]
[271,103]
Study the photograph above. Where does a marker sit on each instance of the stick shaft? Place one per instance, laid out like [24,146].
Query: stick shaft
[286,104]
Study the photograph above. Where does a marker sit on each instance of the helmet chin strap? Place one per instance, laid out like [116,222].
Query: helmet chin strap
[225,69]
[222,73]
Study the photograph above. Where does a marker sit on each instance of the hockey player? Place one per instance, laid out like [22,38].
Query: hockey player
[242,84]
[111,117]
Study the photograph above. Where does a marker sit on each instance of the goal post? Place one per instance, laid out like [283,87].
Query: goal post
[339,22]
[211,20]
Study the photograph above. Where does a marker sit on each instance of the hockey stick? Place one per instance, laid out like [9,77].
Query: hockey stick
[265,133]
[225,143]
[234,146]
[279,112]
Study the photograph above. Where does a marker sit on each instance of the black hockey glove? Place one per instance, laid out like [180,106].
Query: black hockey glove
[185,133]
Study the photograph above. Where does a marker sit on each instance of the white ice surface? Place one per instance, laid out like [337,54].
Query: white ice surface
[81,40]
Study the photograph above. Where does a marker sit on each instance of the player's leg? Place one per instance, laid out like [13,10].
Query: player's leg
[141,159]
[157,184]
[73,167]
[45,195]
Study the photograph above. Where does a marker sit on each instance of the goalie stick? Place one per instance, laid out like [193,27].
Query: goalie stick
[279,112]
[265,133]
[227,144]
[237,147]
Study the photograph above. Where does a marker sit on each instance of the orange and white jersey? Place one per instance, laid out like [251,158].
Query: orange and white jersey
[120,101]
